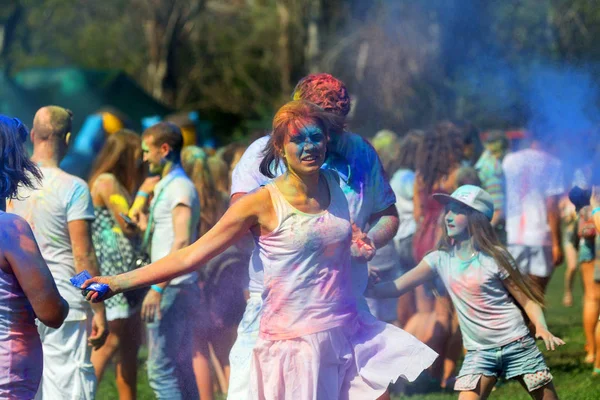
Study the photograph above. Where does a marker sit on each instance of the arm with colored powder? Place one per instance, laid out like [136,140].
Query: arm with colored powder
[252,210]
[139,208]
[383,226]
[535,313]
[85,260]
[413,278]
[32,273]
[182,233]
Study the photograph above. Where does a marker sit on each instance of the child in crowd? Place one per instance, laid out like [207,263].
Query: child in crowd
[487,290]
[314,343]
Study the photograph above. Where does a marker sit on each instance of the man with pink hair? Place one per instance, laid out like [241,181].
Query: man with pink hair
[370,198]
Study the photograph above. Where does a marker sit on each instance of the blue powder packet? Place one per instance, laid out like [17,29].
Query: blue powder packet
[77,281]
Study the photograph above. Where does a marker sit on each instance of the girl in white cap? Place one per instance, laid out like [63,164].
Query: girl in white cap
[487,290]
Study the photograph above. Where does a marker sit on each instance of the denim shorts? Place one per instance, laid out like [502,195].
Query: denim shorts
[587,250]
[519,358]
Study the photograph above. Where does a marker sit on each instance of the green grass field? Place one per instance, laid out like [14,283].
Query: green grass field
[572,378]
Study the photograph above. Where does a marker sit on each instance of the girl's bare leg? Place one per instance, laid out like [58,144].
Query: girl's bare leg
[101,357]
[482,391]
[571,261]
[591,309]
[126,366]
[201,366]
[547,392]
[454,349]
[597,337]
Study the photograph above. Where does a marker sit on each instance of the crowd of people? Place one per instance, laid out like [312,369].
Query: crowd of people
[310,264]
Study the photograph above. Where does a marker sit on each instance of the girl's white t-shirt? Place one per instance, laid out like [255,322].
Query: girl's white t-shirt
[487,314]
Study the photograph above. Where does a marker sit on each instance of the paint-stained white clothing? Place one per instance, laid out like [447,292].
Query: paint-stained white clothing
[487,314]
[59,199]
[531,177]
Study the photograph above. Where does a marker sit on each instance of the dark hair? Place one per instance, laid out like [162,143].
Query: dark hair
[439,154]
[467,176]
[166,132]
[324,90]
[470,136]
[120,157]
[484,240]
[409,145]
[296,115]
[16,169]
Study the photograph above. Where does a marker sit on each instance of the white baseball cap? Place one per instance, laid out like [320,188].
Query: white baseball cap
[471,196]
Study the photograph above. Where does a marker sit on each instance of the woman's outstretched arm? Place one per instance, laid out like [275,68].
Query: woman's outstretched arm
[413,278]
[253,210]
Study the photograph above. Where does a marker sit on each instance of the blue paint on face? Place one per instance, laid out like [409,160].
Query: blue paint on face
[308,140]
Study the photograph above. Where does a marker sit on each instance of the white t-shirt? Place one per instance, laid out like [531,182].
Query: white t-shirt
[172,190]
[531,177]
[60,199]
[487,314]
[362,180]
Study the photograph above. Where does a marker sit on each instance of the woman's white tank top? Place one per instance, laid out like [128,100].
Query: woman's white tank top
[307,275]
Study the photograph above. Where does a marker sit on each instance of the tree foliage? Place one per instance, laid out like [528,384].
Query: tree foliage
[406,63]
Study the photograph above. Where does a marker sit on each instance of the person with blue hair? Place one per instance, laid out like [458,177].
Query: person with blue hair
[27,289]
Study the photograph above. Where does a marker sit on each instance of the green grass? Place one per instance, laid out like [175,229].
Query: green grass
[572,378]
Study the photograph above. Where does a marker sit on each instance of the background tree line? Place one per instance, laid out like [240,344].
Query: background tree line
[407,63]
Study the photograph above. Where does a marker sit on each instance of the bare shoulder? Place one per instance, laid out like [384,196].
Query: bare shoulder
[15,233]
[13,224]
[105,181]
[256,199]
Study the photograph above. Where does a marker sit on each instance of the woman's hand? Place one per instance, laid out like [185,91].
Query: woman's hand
[93,296]
[149,184]
[362,246]
[549,339]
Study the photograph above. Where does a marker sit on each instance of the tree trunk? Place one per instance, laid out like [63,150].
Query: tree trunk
[313,48]
[284,48]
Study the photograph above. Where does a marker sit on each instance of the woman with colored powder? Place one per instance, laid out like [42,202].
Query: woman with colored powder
[487,290]
[313,342]
[116,175]
[27,289]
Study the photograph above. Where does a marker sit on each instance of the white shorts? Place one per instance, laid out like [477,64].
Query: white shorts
[533,260]
[68,371]
[240,356]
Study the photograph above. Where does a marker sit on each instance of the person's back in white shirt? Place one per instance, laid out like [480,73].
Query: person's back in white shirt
[173,190]
[532,176]
[60,199]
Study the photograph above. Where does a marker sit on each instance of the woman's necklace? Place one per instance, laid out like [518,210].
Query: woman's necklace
[465,262]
